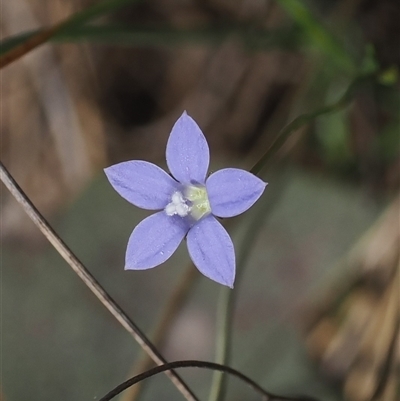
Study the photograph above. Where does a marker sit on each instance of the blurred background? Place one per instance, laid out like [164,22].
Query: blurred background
[315,307]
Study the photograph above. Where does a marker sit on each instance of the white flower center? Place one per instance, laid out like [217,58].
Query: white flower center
[191,201]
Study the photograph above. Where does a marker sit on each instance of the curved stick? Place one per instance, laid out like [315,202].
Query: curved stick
[266,396]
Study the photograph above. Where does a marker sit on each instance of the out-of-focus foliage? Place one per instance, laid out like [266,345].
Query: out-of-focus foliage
[107,87]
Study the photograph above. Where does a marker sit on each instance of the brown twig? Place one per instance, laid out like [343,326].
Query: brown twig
[44,35]
[31,43]
[90,281]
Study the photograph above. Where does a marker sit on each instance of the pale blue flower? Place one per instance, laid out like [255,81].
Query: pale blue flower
[188,204]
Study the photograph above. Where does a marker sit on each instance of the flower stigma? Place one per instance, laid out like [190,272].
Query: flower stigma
[193,201]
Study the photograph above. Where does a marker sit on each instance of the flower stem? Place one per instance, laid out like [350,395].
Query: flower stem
[227,297]
[305,119]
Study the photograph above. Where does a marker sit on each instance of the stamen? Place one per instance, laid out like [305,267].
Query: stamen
[177,206]
[182,209]
[177,198]
[193,201]
[170,209]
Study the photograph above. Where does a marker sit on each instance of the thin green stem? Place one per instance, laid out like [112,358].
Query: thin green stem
[226,302]
[224,322]
[305,119]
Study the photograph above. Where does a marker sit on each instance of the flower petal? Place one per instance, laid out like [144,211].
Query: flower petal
[154,240]
[212,251]
[187,153]
[232,191]
[142,183]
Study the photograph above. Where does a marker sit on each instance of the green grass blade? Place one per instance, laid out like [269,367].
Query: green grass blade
[138,36]
[260,39]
